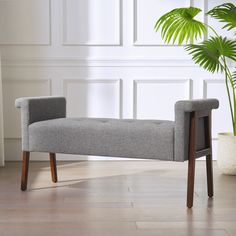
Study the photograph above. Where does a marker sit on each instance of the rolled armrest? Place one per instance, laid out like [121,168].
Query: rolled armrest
[182,124]
[35,109]
[196,105]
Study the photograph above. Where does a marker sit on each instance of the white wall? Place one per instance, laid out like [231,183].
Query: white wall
[104,56]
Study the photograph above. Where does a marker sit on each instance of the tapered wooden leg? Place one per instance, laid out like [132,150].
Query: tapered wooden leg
[209,175]
[209,168]
[53,165]
[25,169]
[191,159]
[191,176]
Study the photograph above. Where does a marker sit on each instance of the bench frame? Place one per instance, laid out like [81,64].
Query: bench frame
[192,155]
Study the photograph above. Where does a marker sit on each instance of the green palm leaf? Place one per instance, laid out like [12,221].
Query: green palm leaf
[179,25]
[234,79]
[225,13]
[209,53]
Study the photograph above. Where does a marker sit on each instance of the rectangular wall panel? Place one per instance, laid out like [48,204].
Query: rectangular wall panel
[13,89]
[146,13]
[91,22]
[155,99]
[25,22]
[215,88]
[93,98]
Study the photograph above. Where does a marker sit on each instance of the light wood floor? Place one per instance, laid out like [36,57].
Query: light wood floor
[111,198]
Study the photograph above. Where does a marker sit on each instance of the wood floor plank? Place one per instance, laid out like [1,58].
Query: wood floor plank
[112,198]
[74,229]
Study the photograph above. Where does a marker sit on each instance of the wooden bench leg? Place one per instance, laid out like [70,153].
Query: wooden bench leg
[25,169]
[209,175]
[209,168]
[191,158]
[53,165]
[191,176]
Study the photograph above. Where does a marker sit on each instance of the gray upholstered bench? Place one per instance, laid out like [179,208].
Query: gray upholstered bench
[45,128]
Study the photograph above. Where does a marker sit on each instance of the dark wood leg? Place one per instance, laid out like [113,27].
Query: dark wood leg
[191,175]
[53,165]
[209,168]
[191,160]
[25,168]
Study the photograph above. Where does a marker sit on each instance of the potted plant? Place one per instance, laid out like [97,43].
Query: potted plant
[213,54]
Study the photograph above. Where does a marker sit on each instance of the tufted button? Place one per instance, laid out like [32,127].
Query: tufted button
[157,123]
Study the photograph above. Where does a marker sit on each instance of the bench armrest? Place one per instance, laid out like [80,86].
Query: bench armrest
[35,109]
[182,124]
[196,105]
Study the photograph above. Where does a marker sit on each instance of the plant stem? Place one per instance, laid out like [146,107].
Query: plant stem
[232,109]
[234,97]
[212,30]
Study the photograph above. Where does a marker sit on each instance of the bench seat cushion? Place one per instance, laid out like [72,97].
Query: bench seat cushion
[151,139]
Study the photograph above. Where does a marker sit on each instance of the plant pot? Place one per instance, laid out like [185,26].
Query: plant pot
[226,158]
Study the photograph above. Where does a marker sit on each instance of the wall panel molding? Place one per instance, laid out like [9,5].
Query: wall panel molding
[99,62]
[86,96]
[153,39]
[186,93]
[117,27]
[31,39]
[207,82]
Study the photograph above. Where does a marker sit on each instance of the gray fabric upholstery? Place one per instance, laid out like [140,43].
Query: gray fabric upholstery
[151,139]
[182,120]
[45,129]
[35,109]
